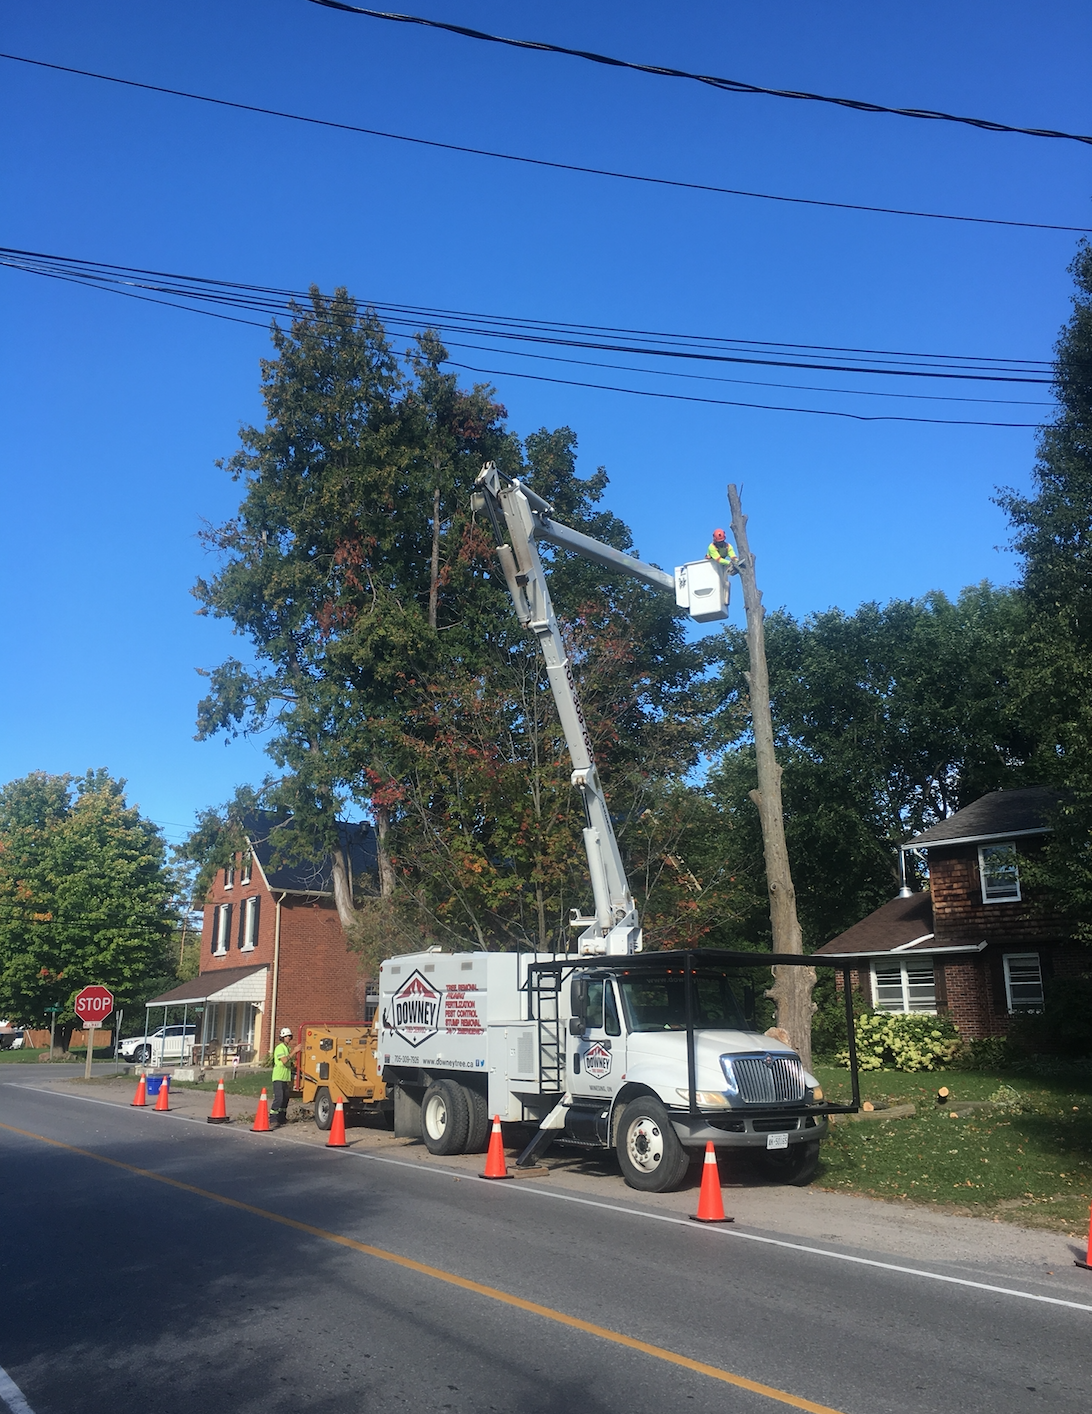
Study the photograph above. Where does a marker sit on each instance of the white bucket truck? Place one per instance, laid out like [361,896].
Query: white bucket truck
[650,1055]
[647,1053]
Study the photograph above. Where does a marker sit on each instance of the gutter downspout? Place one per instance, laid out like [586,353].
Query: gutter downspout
[276,974]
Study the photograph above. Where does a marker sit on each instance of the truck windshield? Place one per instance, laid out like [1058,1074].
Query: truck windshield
[658,1003]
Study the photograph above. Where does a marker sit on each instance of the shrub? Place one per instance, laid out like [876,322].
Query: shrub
[904,1042]
[990,1053]
[828,1025]
[1064,1026]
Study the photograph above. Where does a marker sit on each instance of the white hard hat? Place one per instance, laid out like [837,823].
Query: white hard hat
[285,1031]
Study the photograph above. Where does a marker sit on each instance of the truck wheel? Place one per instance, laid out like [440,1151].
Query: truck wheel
[445,1118]
[478,1107]
[796,1165]
[324,1108]
[649,1153]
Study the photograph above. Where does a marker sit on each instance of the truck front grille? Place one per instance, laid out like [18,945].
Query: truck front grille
[769,1080]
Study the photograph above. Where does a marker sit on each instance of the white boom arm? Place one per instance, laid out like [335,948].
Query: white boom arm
[516,510]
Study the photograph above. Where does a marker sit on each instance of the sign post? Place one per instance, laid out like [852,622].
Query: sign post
[53,1010]
[93,1005]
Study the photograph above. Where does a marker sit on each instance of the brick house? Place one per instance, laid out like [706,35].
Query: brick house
[273,952]
[973,946]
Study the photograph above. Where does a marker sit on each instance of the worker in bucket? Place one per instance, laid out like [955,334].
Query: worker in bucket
[282,1077]
[721,552]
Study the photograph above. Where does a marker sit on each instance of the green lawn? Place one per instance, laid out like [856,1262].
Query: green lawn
[30,1053]
[247,1082]
[1030,1163]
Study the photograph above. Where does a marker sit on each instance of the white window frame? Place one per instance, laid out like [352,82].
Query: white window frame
[982,850]
[250,923]
[221,929]
[247,869]
[903,965]
[229,877]
[1025,957]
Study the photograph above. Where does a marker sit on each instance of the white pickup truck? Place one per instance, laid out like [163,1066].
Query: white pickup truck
[650,1055]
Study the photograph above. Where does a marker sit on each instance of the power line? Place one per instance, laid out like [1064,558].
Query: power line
[545,162]
[724,402]
[726,85]
[702,348]
[96,275]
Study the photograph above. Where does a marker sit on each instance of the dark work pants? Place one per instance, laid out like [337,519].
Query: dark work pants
[280,1100]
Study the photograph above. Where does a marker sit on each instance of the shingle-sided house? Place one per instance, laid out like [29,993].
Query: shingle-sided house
[273,952]
[974,945]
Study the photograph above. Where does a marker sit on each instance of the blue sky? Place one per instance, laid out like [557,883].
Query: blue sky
[115,411]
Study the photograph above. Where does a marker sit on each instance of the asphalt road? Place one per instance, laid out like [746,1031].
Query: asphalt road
[331,1282]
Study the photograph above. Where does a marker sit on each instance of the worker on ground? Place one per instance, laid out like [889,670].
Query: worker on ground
[721,552]
[282,1078]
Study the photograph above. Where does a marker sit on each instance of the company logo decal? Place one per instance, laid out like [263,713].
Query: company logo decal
[597,1060]
[415,1010]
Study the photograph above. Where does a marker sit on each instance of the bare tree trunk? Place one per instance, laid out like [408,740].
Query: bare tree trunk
[434,582]
[382,834]
[792,987]
[343,893]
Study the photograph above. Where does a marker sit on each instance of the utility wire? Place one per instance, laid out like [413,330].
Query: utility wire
[258,298]
[275,299]
[726,85]
[544,162]
[112,288]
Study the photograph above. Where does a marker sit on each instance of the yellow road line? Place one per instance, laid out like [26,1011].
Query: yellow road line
[548,1313]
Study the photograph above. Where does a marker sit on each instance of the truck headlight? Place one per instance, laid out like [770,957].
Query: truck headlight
[813,1086]
[729,1075]
[711,1099]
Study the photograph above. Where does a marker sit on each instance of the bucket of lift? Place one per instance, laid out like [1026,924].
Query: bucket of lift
[702,588]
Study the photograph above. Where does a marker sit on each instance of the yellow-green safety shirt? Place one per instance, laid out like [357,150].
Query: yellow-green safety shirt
[282,1063]
[721,555]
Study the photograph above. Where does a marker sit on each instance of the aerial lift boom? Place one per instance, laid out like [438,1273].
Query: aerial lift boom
[520,518]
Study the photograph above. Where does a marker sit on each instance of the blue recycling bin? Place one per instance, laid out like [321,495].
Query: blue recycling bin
[155,1083]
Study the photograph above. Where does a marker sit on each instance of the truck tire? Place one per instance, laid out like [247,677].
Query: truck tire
[445,1118]
[649,1153]
[477,1137]
[324,1108]
[796,1165]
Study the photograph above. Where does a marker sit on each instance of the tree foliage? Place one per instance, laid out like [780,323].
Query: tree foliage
[388,669]
[85,895]
[1053,534]
[886,720]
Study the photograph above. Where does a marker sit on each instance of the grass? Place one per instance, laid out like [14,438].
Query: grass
[1029,1163]
[247,1082]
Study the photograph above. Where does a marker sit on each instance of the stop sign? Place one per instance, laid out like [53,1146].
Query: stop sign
[93,1005]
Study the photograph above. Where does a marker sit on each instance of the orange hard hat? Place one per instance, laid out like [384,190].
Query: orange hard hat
[718,534]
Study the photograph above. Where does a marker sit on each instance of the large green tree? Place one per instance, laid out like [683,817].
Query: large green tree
[388,667]
[85,896]
[887,720]
[1053,534]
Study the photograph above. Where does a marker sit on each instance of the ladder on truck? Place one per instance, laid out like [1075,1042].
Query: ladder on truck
[544,993]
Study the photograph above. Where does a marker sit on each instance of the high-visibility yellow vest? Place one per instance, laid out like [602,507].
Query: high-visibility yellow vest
[721,555]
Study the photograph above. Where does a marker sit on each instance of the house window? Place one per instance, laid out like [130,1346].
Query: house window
[1000,873]
[249,940]
[1023,981]
[248,865]
[221,929]
[904,986]
[229,877]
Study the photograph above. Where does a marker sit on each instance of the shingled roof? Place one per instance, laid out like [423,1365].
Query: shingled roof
[270,834]
[999,815]
[895,924]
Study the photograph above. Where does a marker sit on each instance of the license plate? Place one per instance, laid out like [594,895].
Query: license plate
[777,1141]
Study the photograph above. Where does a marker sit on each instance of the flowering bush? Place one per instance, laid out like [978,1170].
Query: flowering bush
[913,1042]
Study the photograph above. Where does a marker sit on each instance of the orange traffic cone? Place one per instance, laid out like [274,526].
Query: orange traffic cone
[494,1160]
[219,1106]
[337,1128]
[1087,1263]
[261,1119]
[163,1099]
[710,1203]
[140,1099]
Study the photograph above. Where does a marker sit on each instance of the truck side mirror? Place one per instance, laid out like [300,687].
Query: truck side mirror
[576,1026]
